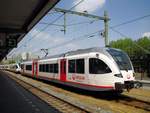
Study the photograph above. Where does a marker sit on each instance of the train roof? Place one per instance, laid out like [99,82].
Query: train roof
[78,52]
[81,51]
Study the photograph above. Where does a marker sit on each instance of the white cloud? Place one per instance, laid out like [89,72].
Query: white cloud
[33,32]
[72,46]
[146,34]
[89,5]
[40,37]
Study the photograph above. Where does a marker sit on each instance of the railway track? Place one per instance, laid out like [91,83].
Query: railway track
[134,102]
[139,97]
[57,103]
[67,107]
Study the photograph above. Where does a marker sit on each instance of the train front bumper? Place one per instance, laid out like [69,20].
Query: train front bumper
[127,85]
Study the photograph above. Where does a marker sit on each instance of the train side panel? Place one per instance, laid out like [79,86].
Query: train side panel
[49,69]
[27,68]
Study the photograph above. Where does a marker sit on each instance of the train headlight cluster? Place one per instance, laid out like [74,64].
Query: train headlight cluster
[119,75]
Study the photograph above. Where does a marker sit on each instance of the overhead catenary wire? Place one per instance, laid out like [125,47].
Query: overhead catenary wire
[131,21]
[121,24]
[86,36]
[73,24]
[51,23]
[118,25]
[54,21]
[114,26]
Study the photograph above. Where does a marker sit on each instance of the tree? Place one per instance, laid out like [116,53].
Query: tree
[138,47]
[145,44]
[125,44]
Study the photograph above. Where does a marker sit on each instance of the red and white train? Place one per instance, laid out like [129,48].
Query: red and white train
[95,69]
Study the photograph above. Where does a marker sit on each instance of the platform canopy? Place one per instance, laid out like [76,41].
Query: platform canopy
[17,18]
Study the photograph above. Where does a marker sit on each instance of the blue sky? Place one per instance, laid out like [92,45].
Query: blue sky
[118,10]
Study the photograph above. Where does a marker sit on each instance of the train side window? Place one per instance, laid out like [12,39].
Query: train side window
[76,66]
[55,68]
[44,68]
[71,66]
[41,68]
[97,66]
[47,67]
[22,66]
[28,67]
[80,66]
[51,68]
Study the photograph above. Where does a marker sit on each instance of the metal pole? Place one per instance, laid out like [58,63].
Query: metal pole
[45,51]
[64,23]
[106,29]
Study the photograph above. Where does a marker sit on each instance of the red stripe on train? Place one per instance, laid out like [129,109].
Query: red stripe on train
[90,85]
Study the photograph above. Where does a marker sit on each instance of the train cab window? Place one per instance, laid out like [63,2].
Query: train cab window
[97,66]
[28,67]
[76,66]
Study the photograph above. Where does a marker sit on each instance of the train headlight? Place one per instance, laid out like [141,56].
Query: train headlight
[119,75]
[97,55]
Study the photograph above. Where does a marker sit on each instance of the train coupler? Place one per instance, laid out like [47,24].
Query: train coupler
[132,84]
[128,85]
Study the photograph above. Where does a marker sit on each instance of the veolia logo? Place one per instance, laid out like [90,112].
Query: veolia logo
[73,77]
[128,76]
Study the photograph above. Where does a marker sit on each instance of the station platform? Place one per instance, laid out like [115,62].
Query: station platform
[144,81]
[16,99]
[145,84]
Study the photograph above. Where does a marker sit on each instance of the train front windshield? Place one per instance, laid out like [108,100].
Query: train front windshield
[121,59]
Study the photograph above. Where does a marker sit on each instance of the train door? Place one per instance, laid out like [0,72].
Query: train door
[34,68]
[63,70]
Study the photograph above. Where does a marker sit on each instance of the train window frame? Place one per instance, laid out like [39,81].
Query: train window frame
[47,68]
[99,68]
[41,68]
[121,58]
[22,66]
[75,67]
[29,67]
[55,68]
[44,67]
[51,68]
[71,66]
[80,66]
